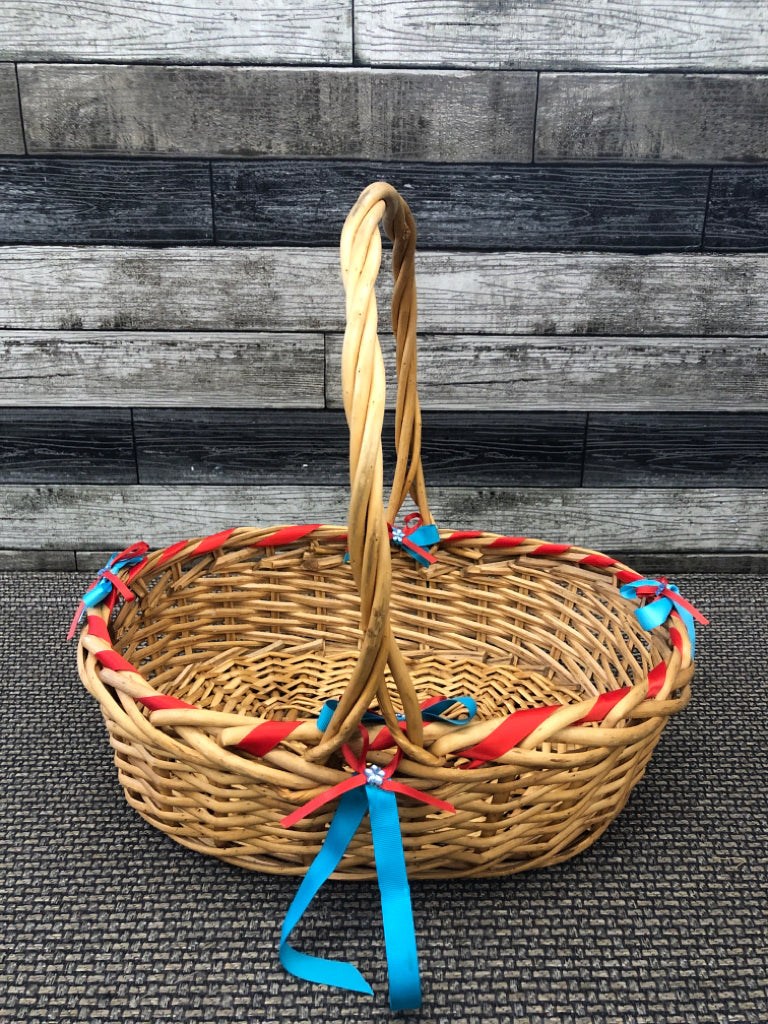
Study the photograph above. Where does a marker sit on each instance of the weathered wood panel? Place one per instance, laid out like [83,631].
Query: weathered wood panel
[279,112]
[468,206]
[683,519]
[603,34]
[11,135]
[107,369]
[178,31]
[272,289]
[676,449]
[209,111]
[239,446]
[701,118]
[481,372]
[82,202]
[464,115]
[66,446]
[737,216]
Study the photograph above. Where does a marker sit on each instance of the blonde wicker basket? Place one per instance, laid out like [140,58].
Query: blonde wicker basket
[213,659]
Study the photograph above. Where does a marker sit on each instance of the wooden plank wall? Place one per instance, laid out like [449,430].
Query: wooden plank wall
[590,182]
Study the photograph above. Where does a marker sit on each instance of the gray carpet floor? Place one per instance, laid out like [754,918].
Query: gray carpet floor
[663,921]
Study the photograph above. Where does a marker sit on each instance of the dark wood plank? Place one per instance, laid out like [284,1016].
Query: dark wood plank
[654,564]
[737,215]
[179,31]
[665,563]
[201,111]
[11,136]
[252,446]
[601,34]
[82,202]
[468,206]
[35,560]
[276,289]
[677,450]
[66,446]
[466,372]
[663,519]
[694,118]
[170,368]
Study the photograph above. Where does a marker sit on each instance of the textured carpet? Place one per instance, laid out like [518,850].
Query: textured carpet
[664,920]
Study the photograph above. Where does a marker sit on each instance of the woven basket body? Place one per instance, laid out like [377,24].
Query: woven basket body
[256,627]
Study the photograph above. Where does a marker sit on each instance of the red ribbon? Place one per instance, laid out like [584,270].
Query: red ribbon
[360,779]
[663,591]
[413,522]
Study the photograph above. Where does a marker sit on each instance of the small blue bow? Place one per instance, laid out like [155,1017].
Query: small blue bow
[667,597]
[432,712]
[107,579]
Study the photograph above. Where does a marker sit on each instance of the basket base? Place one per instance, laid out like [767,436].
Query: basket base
[295,683]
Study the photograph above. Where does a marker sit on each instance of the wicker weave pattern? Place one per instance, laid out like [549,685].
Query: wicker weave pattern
[249,631]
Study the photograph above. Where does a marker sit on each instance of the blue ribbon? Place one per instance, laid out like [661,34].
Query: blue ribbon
[422,537]
[656,612]
[102,588]
[434,713]
[396,912]
[399,932]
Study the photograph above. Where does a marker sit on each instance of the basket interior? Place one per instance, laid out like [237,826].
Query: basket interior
[276,636]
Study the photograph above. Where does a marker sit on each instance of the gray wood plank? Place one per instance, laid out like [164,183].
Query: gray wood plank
[284,112]
[602,34]
[737,214]
[465,372]
[11,135]
[262,447]
[67,446]
[82,202]
[676,449]
[459,115]
[468,206]
[178,31]
[106,369]
[38,561]
[674,117]
[294,290]
[674,519]
[198,111]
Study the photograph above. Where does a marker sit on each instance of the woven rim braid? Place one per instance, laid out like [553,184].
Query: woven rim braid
[212,676]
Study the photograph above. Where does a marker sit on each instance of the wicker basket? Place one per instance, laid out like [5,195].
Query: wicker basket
[213,659]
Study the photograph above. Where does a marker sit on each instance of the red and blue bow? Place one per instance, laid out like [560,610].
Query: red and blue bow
[370,789]
[667,597]
[107,580]
[415,538]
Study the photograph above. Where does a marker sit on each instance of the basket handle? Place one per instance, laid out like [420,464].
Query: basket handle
[364,389]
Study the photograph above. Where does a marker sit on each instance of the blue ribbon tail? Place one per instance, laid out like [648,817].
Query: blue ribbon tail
[399,934]
[350,813]
[688,622]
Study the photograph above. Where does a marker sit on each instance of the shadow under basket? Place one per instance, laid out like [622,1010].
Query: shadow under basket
[420,702]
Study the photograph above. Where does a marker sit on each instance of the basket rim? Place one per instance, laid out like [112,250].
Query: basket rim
[248,736]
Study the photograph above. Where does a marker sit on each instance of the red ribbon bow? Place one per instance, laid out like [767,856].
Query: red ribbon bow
[365,776]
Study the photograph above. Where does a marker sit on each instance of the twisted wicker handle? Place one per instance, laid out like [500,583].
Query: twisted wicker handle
[364,388]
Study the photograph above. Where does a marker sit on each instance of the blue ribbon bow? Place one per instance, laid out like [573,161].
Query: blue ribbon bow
[371,789]
[658,611]
[432,713]
[107,579]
